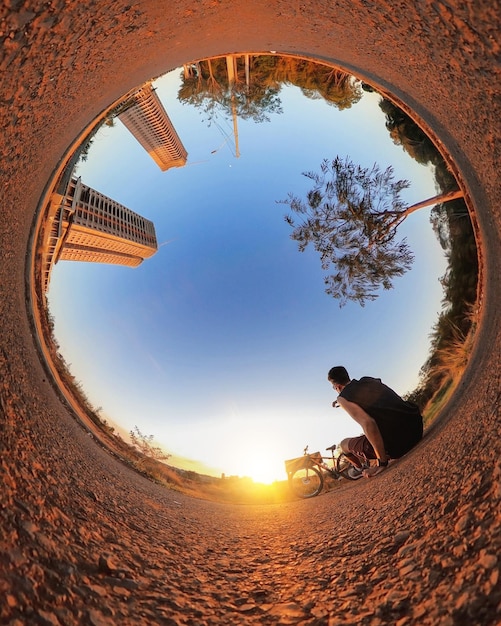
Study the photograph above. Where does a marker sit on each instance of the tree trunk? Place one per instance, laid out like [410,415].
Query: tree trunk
[231,69]
[400,216]
[445,197]
[247,71]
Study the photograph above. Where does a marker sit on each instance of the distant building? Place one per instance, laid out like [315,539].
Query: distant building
[85,225]
[148,121]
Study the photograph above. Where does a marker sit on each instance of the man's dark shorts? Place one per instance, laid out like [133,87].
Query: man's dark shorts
[361,447]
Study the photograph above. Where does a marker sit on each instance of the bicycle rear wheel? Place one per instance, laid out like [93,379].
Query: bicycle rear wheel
[343,467]
[306,482]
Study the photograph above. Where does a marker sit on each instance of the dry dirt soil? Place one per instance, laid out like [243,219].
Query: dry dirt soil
[83,539]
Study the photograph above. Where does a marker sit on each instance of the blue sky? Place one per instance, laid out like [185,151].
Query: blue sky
[219,345]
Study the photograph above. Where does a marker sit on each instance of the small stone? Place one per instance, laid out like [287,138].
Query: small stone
[19,20]
[395,597]
[488,561]
[401,537]
[48,619]
[95,618]
[247,608]
[287,610]
[98,590]
[462,523]
[407,569]
[494,577]
[44,541]
[126,583]
[319,612]
[106,564]
[462,601]
[16,557]
[30,528]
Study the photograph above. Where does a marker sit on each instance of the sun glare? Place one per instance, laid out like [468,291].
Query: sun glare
[263,465]
[265,470]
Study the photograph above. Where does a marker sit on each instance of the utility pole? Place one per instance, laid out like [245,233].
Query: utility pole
[231,69]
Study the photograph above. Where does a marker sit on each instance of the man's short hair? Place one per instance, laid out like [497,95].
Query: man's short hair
[338,375]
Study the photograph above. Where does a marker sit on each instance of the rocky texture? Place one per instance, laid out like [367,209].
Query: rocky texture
[86,541]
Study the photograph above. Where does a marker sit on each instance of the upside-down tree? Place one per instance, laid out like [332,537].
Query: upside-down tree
[351,216]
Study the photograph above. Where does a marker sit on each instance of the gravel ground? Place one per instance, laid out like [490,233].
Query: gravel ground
[86,541]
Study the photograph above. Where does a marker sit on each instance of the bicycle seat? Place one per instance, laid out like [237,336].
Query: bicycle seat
[333,447]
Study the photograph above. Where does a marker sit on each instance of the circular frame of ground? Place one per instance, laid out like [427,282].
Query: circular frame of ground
[85,540]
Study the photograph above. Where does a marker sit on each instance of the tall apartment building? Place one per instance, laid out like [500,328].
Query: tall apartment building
[148,121]
[85,225]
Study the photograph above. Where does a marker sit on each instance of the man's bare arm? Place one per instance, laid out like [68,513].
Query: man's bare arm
[368,425]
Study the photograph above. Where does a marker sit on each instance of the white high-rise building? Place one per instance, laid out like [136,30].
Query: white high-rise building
[85,225]
[148,121]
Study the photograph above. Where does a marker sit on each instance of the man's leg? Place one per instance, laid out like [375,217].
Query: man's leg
[358,450]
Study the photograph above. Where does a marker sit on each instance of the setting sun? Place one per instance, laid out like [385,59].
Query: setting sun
[265,469]
[263,462]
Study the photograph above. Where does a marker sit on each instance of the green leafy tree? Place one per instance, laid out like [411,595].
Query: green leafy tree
[316,80]
[252,92]
[207,86]
[351,216]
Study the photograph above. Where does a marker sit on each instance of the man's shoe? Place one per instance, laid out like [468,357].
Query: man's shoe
[355,472]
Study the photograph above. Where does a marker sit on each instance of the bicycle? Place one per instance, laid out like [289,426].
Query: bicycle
[306,473]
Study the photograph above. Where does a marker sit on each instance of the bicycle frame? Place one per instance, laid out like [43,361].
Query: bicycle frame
[306,474]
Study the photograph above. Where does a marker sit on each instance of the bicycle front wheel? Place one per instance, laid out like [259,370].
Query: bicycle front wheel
[306,482]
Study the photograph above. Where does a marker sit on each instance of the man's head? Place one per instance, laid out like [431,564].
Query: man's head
[338,377]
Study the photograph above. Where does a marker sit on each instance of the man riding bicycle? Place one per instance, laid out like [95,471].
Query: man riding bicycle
[391,425]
